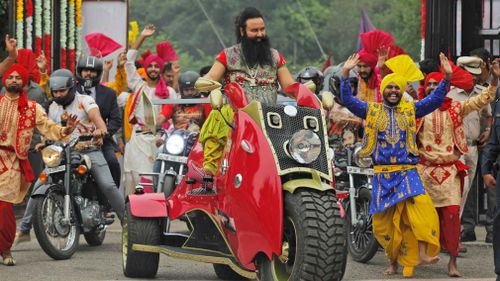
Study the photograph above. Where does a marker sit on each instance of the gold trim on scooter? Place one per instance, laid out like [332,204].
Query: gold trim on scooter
[200,258]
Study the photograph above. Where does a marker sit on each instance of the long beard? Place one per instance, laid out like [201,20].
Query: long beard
[255,52]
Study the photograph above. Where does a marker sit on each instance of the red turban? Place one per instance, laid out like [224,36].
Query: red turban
[166,51]
[27,59]
[438,76]
[19,69]
[461,78]
[368,58]
[152,58]
[161,90]
[23,99]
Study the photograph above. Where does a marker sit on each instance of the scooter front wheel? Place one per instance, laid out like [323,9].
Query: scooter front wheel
[314,245]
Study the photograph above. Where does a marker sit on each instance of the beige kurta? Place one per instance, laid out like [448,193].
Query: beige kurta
[13,187]
[435,144]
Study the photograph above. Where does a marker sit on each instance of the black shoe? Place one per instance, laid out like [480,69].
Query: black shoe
[468,236]
[489,238]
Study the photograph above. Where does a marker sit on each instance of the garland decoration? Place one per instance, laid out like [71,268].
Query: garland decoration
[71,42]
[29,24]
[20,24]
[64,38]
[38,27]
[47,18]
[78,14]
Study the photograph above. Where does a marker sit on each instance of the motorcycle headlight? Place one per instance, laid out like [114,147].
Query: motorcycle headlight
[304,146]
[175,144]
[52,155]
[359,161]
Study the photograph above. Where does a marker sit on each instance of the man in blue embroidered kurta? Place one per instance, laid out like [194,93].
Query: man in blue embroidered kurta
[390,140]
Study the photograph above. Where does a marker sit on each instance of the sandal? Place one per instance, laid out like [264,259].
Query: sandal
[8,260]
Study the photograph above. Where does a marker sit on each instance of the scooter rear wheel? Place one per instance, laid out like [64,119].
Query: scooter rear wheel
[141,231]
[314,245]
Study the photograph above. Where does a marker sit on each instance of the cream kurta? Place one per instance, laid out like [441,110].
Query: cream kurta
[435,144]
[13,187]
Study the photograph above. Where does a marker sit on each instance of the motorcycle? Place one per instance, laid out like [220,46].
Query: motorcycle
[171,161]
[354,175]
[271,212]
[68,203]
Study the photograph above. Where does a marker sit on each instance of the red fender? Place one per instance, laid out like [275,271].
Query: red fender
[148,205]
[303,95]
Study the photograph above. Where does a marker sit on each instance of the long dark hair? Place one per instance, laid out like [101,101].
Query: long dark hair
[241,20]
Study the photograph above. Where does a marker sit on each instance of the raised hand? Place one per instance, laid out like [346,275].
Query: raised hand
[176,68]
[41,61]
[71,124]
[349,64]
[148,31]
[11,47]
[383,54]
[445,64]
[108,64]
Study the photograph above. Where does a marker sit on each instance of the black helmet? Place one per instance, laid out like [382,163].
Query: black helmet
[92,63]
[61,79]
[311,73]
[187,80]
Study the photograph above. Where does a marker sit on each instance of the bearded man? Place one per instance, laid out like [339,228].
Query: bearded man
[18,119]
[141,148]
[256,67]
[441,142]
[405,221]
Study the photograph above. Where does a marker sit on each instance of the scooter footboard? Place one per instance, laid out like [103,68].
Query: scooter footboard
[148,205]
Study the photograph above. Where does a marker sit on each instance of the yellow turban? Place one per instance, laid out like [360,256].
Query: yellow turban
[404,71]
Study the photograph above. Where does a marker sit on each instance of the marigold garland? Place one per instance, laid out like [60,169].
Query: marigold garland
[29,24]
[47,18]
[20,24]
[71,43]
[78,15]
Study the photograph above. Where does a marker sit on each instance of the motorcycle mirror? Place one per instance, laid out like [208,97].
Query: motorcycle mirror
[203,85]
[327,100]
[216,98]
[311,86]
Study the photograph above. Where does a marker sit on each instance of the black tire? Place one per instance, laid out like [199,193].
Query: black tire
[43,237]
[140,231]
[95,237]
[318,251]
[224,272]
[361,241]
[168,185]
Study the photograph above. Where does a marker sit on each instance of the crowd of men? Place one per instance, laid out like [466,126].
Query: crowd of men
[433,126]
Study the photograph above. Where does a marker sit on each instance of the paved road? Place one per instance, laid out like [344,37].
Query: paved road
[104,263]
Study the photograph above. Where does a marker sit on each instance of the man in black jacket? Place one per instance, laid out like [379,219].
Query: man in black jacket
[89,72]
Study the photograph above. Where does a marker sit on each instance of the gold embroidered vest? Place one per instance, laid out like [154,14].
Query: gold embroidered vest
[377,120]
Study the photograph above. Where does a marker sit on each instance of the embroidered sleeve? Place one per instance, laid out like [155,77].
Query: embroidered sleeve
[355,105]
[433,101]
[48,128]
[479,101]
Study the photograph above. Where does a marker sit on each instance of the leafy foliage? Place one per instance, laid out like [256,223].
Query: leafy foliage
[335,22]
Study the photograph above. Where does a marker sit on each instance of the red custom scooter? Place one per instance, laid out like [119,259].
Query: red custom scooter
[272,214]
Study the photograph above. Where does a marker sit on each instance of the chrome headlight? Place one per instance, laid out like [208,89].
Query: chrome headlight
[52,155]
[175,144]
[359,161]
[304,146]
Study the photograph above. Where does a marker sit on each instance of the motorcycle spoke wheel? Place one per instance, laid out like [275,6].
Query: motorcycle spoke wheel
[60,235]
